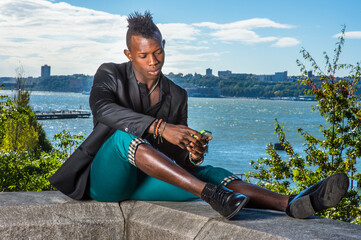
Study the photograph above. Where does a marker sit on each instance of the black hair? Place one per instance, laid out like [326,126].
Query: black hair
[141,25]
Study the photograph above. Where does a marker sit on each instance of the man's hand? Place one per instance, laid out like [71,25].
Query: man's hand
[186,138]
[182,136]
[198,150]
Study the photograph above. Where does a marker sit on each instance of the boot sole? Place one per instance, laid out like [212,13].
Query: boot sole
[239,208]
[302,208]
[328,194]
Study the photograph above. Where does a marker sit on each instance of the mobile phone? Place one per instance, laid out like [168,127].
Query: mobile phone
[206,133]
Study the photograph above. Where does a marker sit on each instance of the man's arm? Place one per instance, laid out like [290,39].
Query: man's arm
[179,151]
[112,111]
[116,111]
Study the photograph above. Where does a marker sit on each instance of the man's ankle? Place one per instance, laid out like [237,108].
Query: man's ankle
[208,191]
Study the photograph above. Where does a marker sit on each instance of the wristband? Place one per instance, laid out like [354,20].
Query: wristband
[155,127]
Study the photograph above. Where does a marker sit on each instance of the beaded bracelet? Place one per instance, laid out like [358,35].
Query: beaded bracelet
[161,134]
[196,162]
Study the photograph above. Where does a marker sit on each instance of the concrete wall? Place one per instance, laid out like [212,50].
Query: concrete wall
[51,215]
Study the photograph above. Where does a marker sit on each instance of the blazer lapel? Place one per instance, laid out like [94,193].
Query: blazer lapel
[163,112]
[133,89]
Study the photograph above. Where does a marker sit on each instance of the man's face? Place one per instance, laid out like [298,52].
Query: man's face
[147,57]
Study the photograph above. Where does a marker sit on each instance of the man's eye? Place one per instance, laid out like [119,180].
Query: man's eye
[159,52]
[142,56]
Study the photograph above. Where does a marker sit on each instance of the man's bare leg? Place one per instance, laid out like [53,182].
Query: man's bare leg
[325,194]
[260,197]
[157,165]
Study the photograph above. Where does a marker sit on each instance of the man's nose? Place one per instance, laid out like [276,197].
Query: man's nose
[153,60]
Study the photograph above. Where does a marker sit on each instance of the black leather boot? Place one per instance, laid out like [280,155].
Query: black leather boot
[325,194]
[224,200]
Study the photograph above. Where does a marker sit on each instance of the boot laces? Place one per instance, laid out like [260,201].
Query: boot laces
[221,194]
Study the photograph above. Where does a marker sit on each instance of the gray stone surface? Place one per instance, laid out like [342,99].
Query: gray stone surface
[52,215]
[146,220]
[261,224]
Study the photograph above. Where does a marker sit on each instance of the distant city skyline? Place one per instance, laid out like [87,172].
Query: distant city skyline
[277,76]
[45,71]
[258,37]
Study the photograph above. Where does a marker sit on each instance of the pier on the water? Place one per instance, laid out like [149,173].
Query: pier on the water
[62,114]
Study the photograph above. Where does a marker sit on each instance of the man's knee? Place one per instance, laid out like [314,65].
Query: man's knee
[125,144]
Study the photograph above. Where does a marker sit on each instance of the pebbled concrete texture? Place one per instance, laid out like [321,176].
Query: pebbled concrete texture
[196,220]
[52,215]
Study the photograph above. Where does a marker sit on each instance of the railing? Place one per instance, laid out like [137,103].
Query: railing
[62,114]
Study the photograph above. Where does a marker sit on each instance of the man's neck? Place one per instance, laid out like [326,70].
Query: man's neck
[150,83]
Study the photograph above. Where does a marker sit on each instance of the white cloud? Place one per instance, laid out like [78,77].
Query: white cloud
[179,57]
[242,31]
[351,34]
[241,35]
[245,24]
[286,42]
[185,57]
[189,62]
[178,31]
[70,39]
[77,40]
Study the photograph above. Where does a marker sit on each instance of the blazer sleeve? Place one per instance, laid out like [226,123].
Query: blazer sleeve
[183,116]
[111,102]
[183,155]
[180,156]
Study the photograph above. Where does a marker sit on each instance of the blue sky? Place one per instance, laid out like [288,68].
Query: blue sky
[259,36]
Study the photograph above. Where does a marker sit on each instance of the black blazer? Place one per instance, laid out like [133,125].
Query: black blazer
[116,104]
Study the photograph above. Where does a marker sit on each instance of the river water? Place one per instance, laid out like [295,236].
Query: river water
[241,127]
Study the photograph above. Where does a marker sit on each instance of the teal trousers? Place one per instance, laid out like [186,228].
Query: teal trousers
[115,177]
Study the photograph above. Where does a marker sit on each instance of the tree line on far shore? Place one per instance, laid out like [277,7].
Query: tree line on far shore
[249,86]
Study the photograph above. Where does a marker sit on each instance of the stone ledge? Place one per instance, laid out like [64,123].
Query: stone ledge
[52,215]
[196,220]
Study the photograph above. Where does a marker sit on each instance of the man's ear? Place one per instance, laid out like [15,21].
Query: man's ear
[163,41]
[127,53]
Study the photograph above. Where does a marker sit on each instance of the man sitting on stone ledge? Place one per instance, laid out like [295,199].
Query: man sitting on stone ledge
[142,149]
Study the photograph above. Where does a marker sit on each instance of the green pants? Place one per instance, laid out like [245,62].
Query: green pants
[115,177]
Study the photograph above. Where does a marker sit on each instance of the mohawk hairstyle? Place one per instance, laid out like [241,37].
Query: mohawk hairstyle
[141,25]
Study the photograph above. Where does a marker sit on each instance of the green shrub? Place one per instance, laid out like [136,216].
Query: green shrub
[336,151]
[29,171]
[27,159]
